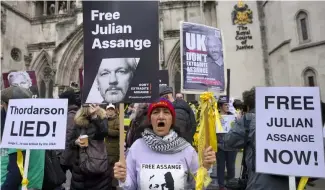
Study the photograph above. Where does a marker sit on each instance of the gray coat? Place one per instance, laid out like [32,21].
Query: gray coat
[256,181]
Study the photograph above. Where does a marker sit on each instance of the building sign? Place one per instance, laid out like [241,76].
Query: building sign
[243,35]
[242,15]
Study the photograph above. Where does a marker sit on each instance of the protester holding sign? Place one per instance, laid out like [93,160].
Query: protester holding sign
[90,170]
[166,160]
[242,135]
[226,157]
[12,160]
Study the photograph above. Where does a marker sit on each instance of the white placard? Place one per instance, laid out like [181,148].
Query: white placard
[35,124]
[162,176]
[289,138]
[227,122]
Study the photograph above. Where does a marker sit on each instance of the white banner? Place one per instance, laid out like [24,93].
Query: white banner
[35,124]
[289,139]
[227,122]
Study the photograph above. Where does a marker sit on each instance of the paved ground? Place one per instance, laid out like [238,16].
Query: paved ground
[319,185]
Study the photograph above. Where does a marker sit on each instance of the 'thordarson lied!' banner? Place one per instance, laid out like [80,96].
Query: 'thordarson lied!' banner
[121,60]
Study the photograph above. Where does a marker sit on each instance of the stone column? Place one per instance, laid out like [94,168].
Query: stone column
[45,8]
[56,7]
[68,6]
[47,84]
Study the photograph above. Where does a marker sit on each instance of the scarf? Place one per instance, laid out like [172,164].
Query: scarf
[168,144]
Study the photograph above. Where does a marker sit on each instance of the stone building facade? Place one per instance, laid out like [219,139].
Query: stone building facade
[47,37]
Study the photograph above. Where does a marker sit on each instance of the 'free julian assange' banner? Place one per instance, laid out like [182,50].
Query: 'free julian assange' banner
[121,51]
[202,58]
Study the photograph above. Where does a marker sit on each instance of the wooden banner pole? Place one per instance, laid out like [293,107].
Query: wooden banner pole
[121,129]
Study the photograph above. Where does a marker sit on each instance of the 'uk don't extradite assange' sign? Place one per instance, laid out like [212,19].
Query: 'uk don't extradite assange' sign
[289,138]
[35,124]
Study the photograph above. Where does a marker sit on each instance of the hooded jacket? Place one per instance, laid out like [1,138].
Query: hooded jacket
[96,129]
[235,139]
[185,121]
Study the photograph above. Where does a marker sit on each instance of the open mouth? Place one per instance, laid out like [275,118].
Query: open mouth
[161,124]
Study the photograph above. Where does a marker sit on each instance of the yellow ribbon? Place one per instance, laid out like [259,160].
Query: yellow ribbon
[302,183]
[20,164]
[206,136]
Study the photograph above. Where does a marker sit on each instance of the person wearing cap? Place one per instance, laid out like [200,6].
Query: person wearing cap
[161,158]
[226,157]
[185,119]
[112,140]
[11,177]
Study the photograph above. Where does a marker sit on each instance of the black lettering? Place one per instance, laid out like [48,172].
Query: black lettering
[270,124]
[282,100]
[36,111]
[277,122]
[268,154]
[295,101]
[269,137]
[309,122]
[302,156]
[268,101]
[38,130]
[29,110]
[308,100]
[281,157]
[12,129]
[26,129]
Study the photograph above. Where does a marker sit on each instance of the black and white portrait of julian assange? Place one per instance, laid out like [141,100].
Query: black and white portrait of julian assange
[24,80]
[112,80]
[215,58]
[20,78]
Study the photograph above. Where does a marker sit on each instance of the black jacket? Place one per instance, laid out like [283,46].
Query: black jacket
[137,125]
[185,120]
[95,129]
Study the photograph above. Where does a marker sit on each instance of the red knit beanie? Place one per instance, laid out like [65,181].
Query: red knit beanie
[162,103]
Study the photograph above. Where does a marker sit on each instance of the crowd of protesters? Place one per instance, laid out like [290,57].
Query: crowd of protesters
[159,133]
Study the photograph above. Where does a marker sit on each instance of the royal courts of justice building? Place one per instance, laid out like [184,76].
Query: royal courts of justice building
[278,43]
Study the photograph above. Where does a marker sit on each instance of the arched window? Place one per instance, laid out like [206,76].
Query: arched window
[310,77]
[42,89]
[303,27]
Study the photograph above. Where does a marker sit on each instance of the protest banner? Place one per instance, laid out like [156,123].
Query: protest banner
[289,138]
[25,79]
[35,124]
[202,59]
[121,53]
[227,122]
[163,78]
[162,176]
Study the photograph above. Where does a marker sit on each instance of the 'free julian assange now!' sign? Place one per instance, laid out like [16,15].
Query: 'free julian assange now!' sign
[289,138]
[35,124]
